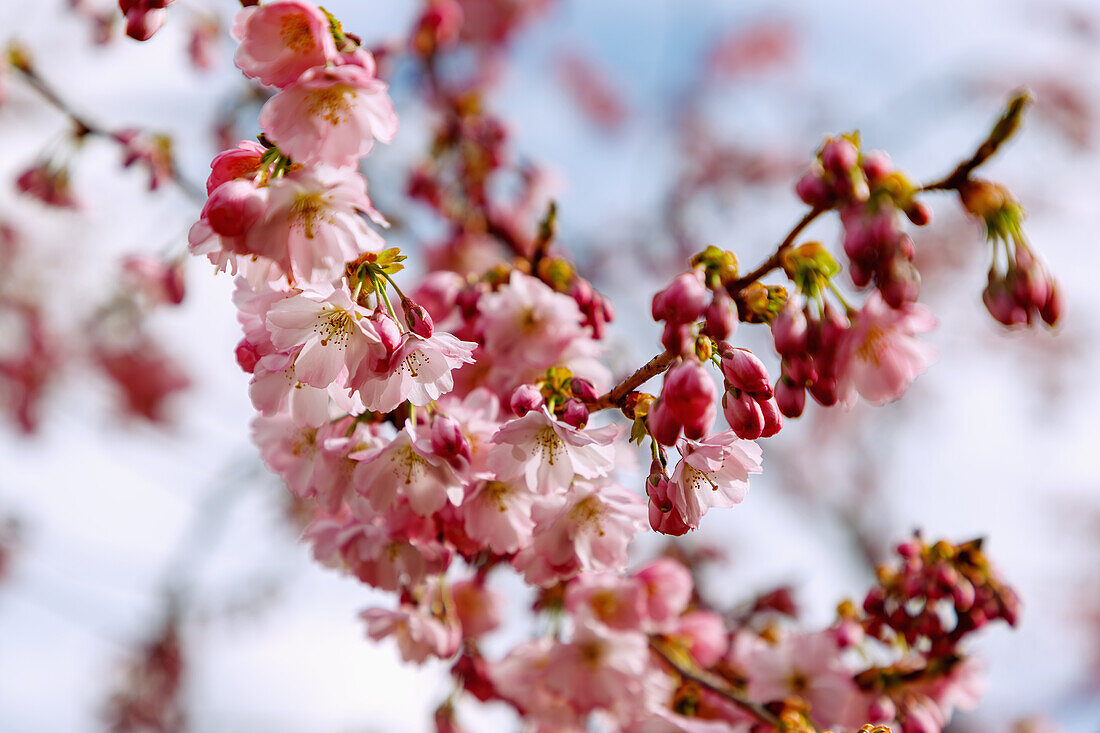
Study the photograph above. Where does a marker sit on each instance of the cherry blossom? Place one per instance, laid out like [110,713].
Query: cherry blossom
[546,453]
[280,41]
[713,472]
[330,116]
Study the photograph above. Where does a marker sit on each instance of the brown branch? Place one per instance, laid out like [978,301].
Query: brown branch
[82,125]
[714,683]
[652,368]
[1008,123]
[775,261]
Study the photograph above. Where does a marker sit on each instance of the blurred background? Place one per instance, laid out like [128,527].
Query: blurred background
[660,126]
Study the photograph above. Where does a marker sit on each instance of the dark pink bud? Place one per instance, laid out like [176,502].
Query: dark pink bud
[743,415]
[467,301]
[745,371]
[721,317]
[903,285]
[663,425]
[773,420]
[581,292]
[789,331]
[676,338]
[826,391]
[861,276]
[919,213]
[417,319]
[839,156]
[663,515]
[448,440]
[234,207]
[683,301]
[876,165]
[813,190]
[583,390]
[1052,308]
[388,331]
[790,398]
[690,394]
[527,397]
[882,710]
[247,355]
[1000,303]
[574,413]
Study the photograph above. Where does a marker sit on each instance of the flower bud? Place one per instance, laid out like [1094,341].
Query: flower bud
[575,413]
[745,371]
[1052,308]
[773,420]
[826,391]
[721,317]
[919,213]
[1000,303]
[663,425]
[882,710]
[743,415]
[663,515]
[234,207]
[676,338]
[388,331]
[839,156]
[527,397]
[789,330]
[790,398]
[448,440]
[683,301]
[247,355]
[903,285]
[813,190]
[689,394]
[876,165]
[417,319]
[583,390]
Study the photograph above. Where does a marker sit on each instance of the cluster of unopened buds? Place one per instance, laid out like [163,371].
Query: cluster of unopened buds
[444,433]
[1021,289]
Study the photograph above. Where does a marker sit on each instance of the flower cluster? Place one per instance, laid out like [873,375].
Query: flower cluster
[438,433]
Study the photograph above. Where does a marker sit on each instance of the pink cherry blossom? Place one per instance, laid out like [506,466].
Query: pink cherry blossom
[329,332]
[808,666]
[477,608]
[547,453]
[281,40]
[600,669]
[380,552]
[313,223]
[242,161]
[407,466]
[616,602]
[330,116]
[880,355]
[588,531]
[420,372]
[667,585]
[498,514]
[713,472]
[418,634]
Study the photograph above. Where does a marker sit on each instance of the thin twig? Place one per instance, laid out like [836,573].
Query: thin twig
[713,683]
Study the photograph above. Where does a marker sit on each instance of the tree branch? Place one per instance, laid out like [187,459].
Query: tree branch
[652,368]
[713,683]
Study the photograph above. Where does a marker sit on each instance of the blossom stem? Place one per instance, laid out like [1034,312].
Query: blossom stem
[83,127]
[652,368]
[1004,128]
[713,683]
[776,260]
